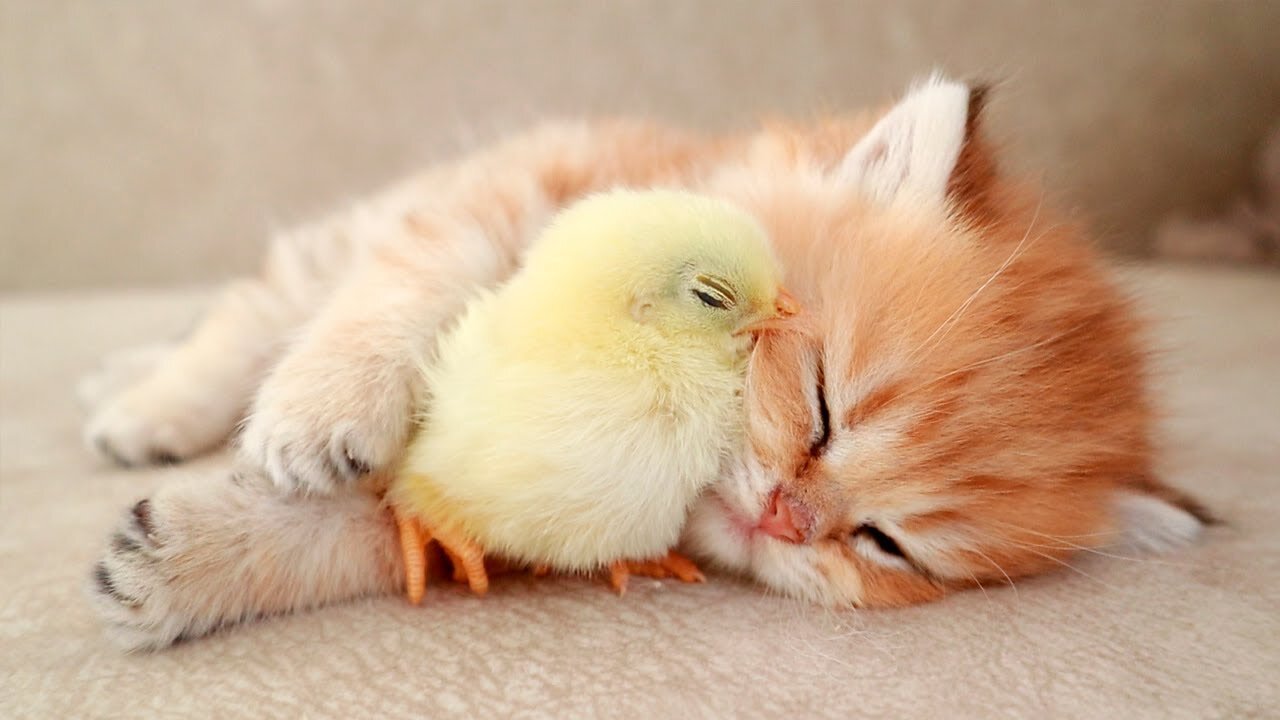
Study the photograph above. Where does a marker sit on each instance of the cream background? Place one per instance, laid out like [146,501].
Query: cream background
[159,141]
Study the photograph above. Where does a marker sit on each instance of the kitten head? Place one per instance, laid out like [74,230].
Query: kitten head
[967,405]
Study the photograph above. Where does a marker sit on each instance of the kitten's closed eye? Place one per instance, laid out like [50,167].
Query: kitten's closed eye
[887,545]
[822,428]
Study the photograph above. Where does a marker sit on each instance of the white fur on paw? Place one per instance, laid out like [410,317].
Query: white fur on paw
[130,586]
[306,439]
[1154,525]
[151,423]
[118,371]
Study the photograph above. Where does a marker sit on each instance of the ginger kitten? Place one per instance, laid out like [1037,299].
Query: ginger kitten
[967,405]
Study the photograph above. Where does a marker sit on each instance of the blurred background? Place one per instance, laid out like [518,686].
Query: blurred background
[159,142]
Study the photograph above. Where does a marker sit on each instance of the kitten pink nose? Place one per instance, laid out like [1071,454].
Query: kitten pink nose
[783,519]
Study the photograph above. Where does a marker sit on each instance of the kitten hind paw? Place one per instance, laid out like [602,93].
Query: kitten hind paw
[129,587]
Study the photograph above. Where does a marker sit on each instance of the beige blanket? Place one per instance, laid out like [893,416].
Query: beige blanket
[1196,635]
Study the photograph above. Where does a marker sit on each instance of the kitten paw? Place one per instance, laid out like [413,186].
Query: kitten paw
[131,586]
[320,437]
[154,423]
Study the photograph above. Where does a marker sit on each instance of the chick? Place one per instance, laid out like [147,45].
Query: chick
[577,412]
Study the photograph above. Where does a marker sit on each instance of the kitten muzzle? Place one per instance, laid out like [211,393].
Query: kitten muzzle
[786,519]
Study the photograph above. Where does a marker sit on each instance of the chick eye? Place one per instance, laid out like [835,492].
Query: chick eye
[710,300]
[887,545]
[714,292]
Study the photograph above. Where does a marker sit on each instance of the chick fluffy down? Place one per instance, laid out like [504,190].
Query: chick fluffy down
[571,464]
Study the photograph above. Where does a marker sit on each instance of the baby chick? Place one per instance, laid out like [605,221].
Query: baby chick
[577,412]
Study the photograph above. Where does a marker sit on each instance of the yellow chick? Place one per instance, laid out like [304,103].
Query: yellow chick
[577,412]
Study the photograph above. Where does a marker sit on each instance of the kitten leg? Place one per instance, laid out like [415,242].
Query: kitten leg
[190,401]
[171,404]
[216,551]
[340,402]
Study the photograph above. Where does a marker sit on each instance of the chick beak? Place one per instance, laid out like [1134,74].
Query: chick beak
[786,304]
[784,307]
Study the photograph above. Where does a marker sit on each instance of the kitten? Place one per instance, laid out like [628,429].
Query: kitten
[967,407]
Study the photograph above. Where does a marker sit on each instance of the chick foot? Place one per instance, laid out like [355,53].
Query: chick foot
[466,555]
[673,564]
[493,567]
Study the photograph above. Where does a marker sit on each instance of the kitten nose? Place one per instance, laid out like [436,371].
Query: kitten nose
[781,518]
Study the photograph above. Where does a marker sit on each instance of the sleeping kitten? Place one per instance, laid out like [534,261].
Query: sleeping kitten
[968,408]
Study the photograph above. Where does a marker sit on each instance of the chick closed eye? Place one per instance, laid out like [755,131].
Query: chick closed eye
[714,292]
[710,300]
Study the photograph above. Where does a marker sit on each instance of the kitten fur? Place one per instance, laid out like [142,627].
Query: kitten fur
[967,408]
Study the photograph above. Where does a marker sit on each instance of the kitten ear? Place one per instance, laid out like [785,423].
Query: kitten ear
[913,151]
[1155,518]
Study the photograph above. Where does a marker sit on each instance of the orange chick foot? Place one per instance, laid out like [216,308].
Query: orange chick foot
[465,554]
[413,548]
[673,564]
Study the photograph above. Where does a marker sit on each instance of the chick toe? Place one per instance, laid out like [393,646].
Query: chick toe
[459,572]
[465,554]
[682,568]
[413,548]
[673,564]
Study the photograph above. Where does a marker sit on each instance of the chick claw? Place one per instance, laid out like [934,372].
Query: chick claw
[673,564]
[466,555]
[413,548]
[459,570]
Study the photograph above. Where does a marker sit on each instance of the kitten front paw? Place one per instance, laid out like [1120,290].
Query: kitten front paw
[153,422]
[321,436]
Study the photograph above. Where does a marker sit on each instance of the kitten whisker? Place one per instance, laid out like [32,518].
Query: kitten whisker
[1075,569]
[976,581]
[1067,545]
[997,358]
[956,315]
[1101,553]
[1101,533]
[997,566]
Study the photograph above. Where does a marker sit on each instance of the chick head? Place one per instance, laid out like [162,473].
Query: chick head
[684,264]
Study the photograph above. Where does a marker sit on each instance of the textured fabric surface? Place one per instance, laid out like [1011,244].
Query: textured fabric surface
[1194,635]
